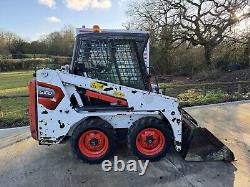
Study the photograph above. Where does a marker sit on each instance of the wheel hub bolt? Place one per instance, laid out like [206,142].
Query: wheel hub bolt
[149,139]
[94,142]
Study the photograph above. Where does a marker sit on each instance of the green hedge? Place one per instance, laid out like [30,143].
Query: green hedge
[32,63]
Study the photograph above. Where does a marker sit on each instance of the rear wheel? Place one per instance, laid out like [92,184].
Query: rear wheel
[93,141]
[149,139]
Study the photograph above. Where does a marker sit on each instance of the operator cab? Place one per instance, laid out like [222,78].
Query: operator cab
[114,56]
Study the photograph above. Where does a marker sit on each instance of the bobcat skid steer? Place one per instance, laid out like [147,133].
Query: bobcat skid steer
[105,96]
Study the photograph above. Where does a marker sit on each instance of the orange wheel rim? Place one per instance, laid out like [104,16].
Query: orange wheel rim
[93,143]
[150,141]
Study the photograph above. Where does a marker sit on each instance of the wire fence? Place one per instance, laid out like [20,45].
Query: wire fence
[16,113]
[17,109]
[239,87]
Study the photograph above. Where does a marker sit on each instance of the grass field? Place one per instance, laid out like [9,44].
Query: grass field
[14,83]
[13,111]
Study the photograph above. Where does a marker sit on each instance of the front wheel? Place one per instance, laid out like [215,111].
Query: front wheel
[93,141]
[149,139]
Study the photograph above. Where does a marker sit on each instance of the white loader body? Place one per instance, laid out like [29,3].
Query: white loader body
[55,124]
[106,95]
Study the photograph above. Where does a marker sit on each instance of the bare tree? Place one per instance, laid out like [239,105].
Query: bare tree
[200,22]
[148,15]
[247,51]
[7,40]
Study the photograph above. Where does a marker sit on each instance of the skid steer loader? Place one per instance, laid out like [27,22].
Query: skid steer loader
[106,96]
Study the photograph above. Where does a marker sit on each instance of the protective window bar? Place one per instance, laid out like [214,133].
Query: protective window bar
[111,60]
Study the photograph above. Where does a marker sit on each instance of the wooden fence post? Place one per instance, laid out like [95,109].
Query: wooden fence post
[239,88]
[164,91]
[204,90]
[1,112]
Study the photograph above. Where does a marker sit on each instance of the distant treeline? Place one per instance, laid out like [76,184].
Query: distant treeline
[184,59]
[56,43]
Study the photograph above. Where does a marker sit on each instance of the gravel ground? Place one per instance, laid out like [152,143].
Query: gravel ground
[26,163]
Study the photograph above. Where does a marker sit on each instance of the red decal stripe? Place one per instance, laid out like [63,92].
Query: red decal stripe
[51,103]
[107,98]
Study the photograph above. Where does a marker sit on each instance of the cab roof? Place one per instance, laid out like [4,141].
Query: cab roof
[140,37]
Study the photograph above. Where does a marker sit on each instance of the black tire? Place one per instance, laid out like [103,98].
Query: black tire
[89,125]
[145,123]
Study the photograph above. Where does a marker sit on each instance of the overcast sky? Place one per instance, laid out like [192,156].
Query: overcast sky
[32,18]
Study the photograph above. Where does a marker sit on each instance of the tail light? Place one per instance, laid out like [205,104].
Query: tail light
[32,109]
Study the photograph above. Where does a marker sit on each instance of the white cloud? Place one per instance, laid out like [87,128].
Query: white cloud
[101,4]
[53,19]
[49,3]
[82,4]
